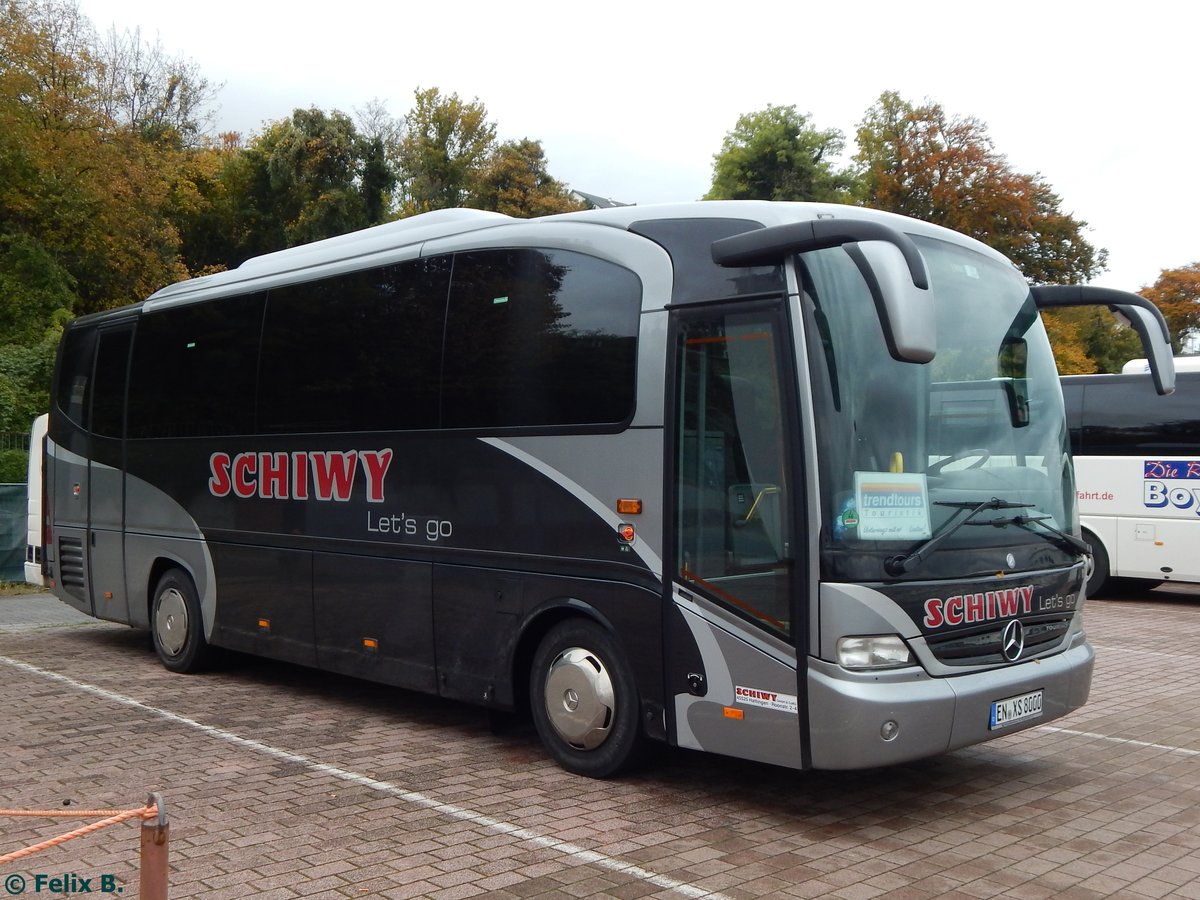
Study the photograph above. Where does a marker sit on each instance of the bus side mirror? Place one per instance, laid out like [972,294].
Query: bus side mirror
[1138,312]
[888,259]
[1013,366]
[905,311]
[1158,348]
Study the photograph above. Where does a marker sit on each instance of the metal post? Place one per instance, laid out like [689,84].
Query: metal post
[155,832]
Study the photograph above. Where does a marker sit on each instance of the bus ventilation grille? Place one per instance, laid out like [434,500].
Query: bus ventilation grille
[982,647]
[70,567]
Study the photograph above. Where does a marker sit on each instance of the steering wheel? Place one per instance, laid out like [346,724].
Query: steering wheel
[983,454]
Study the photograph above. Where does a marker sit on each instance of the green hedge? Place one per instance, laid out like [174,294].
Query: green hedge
[14,466]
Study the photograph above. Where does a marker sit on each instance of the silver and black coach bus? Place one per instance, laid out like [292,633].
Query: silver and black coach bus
[786,482]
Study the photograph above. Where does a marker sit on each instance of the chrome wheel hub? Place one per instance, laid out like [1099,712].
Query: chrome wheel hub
[171,622]
[580,700]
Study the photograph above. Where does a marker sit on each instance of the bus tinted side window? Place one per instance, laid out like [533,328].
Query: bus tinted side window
[1073,402]
[356,352]
[1123,415]
[75,375]
[108,400]
[193,370]
[539,338]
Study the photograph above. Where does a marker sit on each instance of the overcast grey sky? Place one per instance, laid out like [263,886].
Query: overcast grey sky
[632,99]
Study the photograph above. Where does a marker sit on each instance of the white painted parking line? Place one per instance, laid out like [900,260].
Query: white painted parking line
[1119,740]
[416,798]
[1176,657]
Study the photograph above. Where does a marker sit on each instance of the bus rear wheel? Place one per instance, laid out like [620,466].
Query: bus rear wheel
[177,626]
[584,700]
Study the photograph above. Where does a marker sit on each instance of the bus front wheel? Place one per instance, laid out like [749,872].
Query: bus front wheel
[176,624]
[584,700]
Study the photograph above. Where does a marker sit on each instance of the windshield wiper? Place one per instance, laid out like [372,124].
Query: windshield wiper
[902,563]
[1066,541]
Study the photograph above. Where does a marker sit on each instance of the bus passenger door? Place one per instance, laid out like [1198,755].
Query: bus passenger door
[734,542]
[106,476]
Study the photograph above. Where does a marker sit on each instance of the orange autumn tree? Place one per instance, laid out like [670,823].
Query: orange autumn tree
[1177,294]
[513,179]
[923,162]
[86,189]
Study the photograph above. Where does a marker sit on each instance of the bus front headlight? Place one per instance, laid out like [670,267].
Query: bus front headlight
[877,651]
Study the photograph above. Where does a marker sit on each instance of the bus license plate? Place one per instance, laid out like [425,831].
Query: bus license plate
[1016,709]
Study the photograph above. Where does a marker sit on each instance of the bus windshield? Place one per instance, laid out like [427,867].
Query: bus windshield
[912,453]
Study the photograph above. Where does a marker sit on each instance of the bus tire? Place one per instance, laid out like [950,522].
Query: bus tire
[584,700]
[176,624]
[1098,580]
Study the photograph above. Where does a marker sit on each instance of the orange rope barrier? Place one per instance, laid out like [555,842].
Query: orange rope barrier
[113,817]
[147,812]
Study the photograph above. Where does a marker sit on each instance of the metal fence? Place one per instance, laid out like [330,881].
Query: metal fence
[14,440]
[13,519]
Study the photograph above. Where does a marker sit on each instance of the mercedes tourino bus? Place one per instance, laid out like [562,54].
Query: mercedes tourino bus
[786,482]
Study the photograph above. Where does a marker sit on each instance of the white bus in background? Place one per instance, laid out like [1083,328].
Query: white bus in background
[1137,471]
[1142,366]
[33,541]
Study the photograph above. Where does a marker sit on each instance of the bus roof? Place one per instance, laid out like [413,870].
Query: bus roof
[411,234]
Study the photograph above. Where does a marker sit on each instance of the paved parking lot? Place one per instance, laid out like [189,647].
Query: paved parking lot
[282,782]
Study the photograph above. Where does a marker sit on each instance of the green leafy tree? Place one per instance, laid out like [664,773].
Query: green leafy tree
[445,145]
[205,206]
[776,154]
[35,301]
[25,373]
[514,181]
[378,179]
[381,134]
[313,165]
[1088,340]
[304,178]
[35,290]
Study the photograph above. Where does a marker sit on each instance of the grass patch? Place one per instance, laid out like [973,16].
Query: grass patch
[17,588]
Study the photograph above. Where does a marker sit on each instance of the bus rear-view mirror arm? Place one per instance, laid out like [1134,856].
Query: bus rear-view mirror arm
[1139,313]
[890,263]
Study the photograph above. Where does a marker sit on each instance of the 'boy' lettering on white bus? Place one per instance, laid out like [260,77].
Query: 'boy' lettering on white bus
[1156,495]
[330,474]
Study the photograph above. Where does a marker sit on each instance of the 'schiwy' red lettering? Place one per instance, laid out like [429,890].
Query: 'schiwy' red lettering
[320,474]
[965,609]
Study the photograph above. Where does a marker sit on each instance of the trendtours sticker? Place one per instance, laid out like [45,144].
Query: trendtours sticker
[892,506]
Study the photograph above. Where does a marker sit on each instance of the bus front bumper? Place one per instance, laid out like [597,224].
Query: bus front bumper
[862,720]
